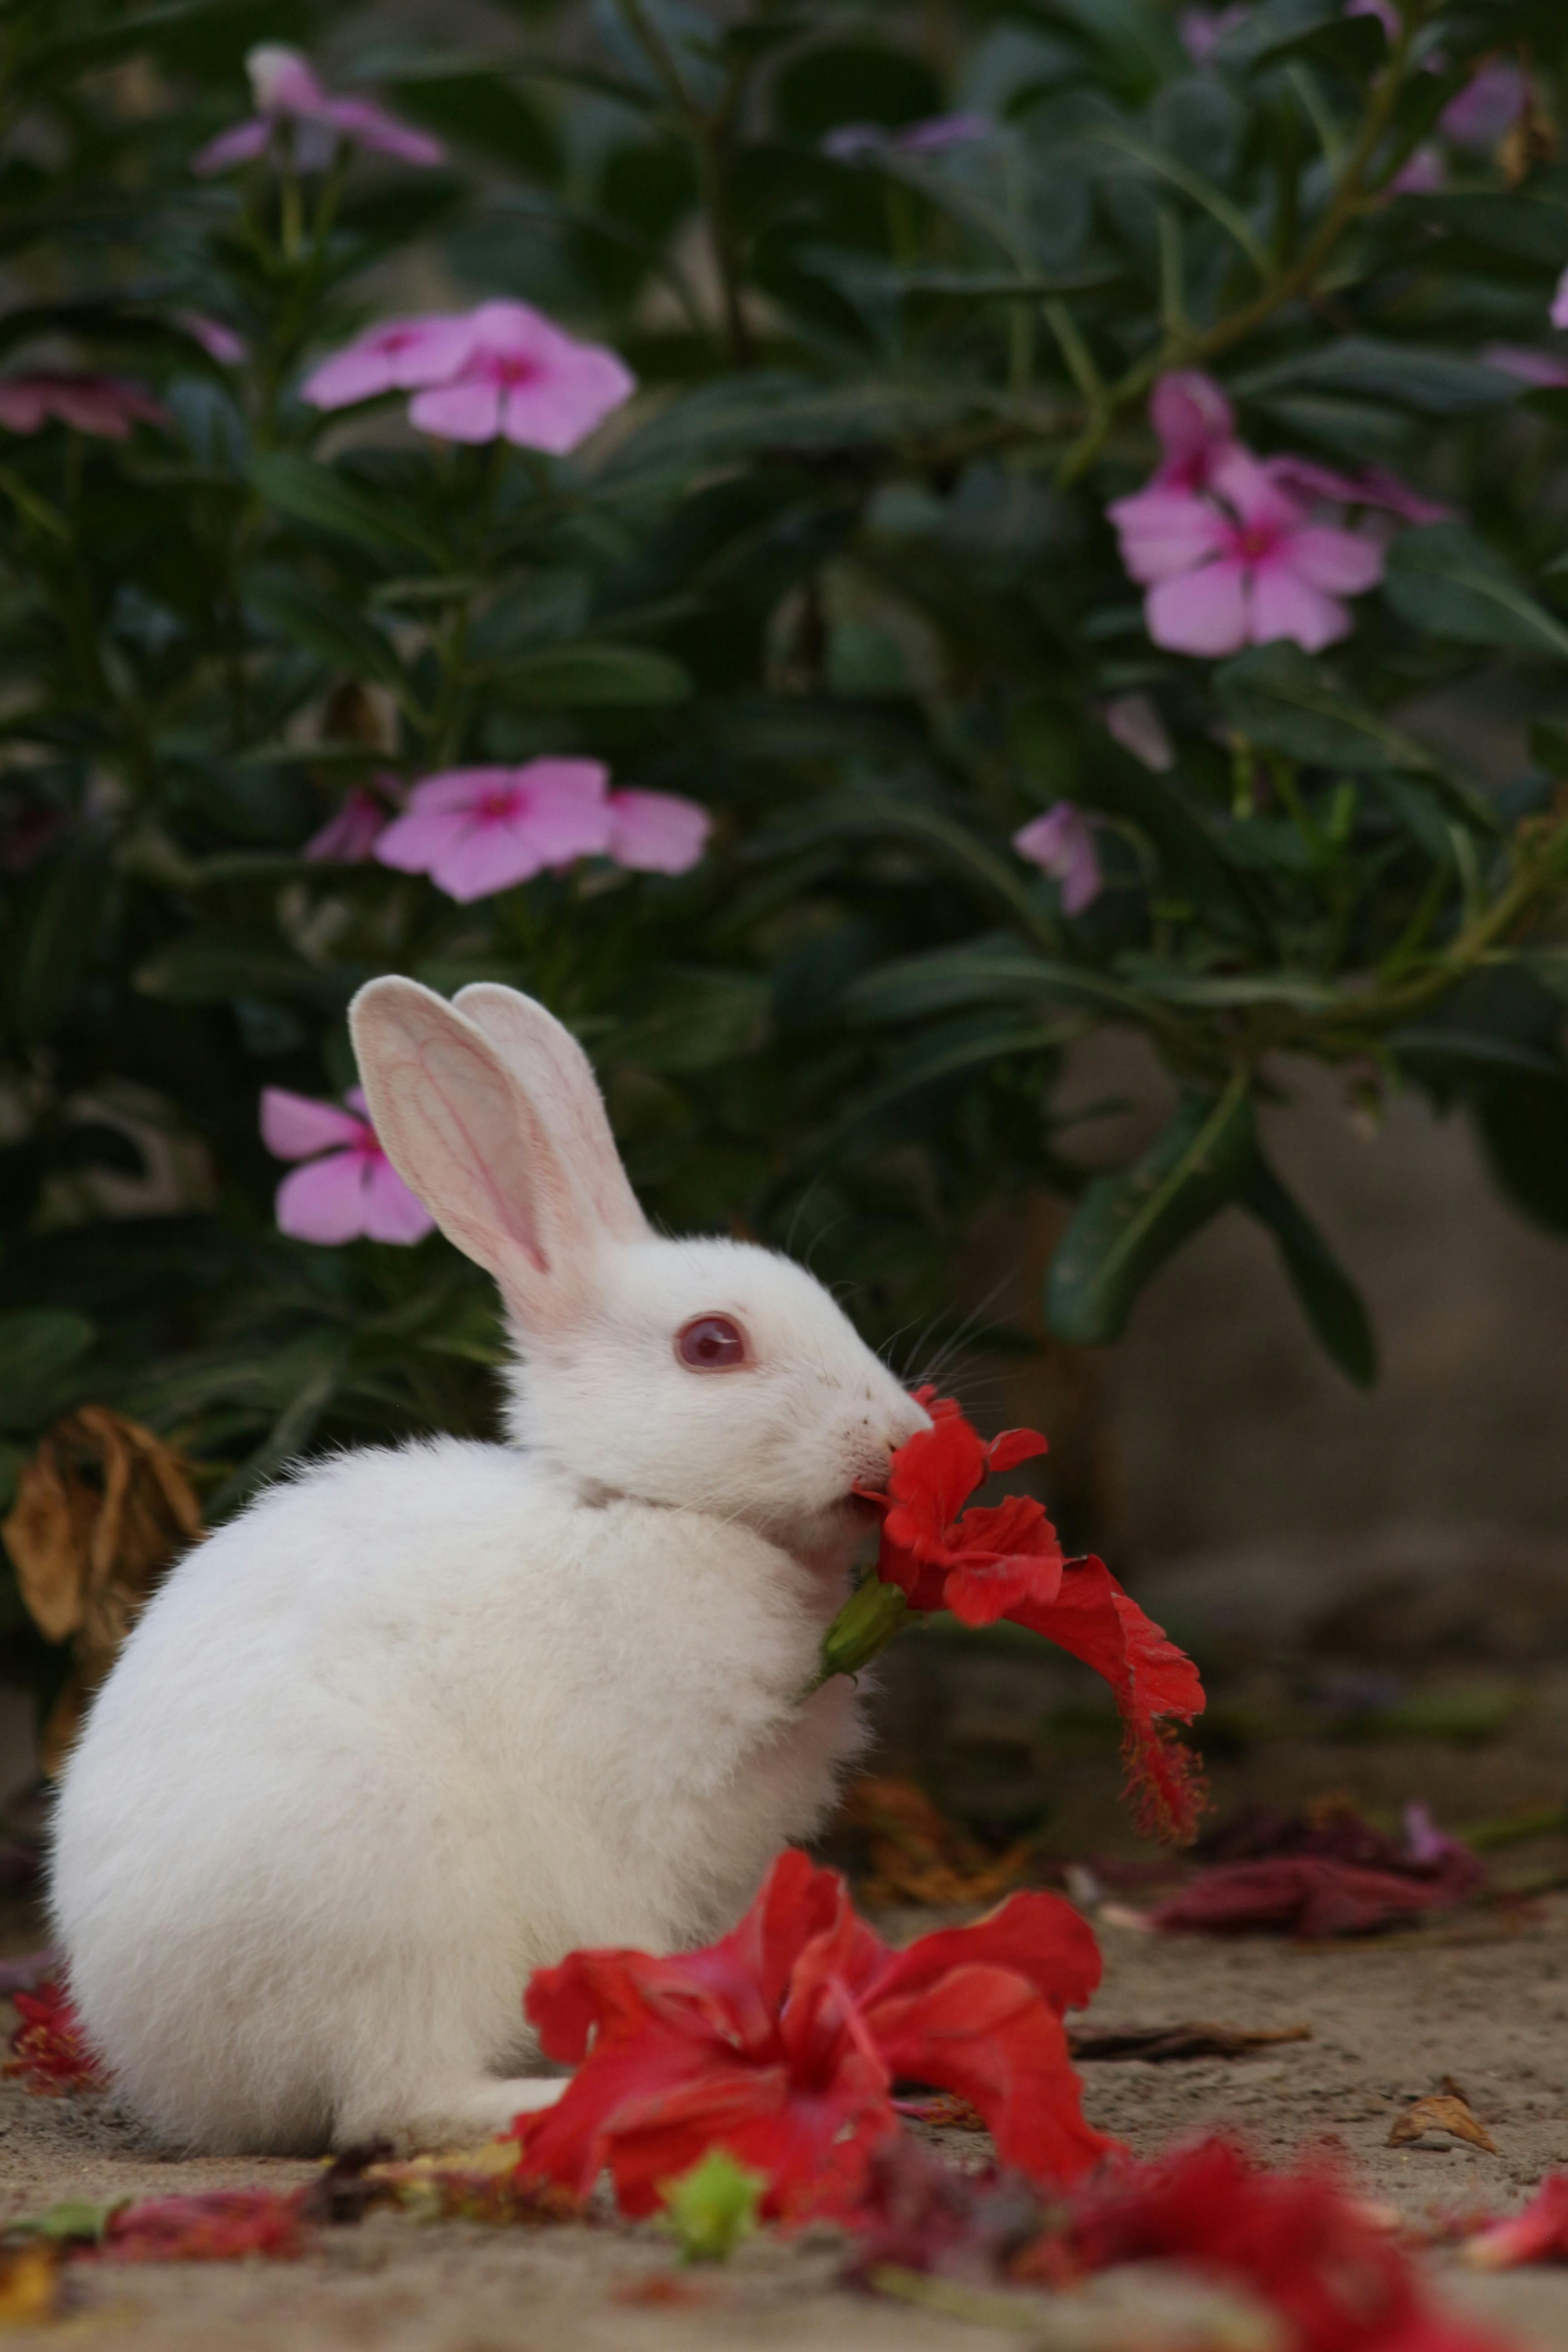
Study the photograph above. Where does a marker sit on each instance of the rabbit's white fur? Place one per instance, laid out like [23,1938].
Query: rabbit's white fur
[422,1720]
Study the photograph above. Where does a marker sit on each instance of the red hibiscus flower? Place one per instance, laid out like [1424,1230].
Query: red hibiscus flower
[47,2048]
[1004,1560]
[781,2043]
[978,1563]
[218,2225]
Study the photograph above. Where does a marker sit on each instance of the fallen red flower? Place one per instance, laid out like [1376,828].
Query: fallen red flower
[1004,1560]
[1303,1894]
[222,2225]
[1294,2239]
[1539,2234]
[781,2042]
[47,2050]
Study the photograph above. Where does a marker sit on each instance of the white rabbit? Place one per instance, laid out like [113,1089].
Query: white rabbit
[422,1719]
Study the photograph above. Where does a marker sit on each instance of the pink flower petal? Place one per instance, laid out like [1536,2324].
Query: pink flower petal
[468,410]
[656,833]
[1490,106]
[371,126]
[1134,722]
[1165,532]
[486,858]
[1547,369]
[417,843]
[295,1125]
[351,832]
[1203,611]
[568,814]
[1247,483]
[219,342]
[460,788]
[562,408]
[1286,605]
[391,1212]
[282,81]
[401,356]
[1342,563]
[325,1200]
[243,144]
[1190,413]
[1560,302]
[1062,845]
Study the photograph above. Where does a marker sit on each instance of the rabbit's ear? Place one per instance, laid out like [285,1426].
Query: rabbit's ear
[464,1133]
[558,1078]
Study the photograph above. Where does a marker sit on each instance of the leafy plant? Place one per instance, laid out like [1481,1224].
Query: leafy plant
[898,298]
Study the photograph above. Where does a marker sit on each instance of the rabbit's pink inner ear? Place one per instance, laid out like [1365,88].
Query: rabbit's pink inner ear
[558,1078]
[464,1136]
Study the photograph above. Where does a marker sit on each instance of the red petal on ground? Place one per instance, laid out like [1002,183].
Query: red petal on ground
[1152,1680]
[986,2033]
[48,2050]
[1036,1936]
[1293,2239]
[1304,1895]
[1539,2234]
[223,2225]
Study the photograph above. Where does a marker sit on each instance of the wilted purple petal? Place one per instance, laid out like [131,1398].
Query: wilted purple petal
[656,833]
[294,1126]
[242,144]
[104,406]
[1423,173]
[1134,722]
[1375,487]
[1547,371]
[849,141]
[1487,107]
[941,132]
[219,342]
[1201,30]
[351,832]
[1560,302]
[371,126]
[282,81]
[1061,844]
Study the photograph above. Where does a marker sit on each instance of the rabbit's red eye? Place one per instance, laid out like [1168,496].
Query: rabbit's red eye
[711,1343]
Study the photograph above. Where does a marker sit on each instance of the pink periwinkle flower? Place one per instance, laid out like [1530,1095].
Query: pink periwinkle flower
[348,1186]
[354,827]
[288,95]
[1542,371]
[1422,173]
[937,136]
[1062,845]
[1195,427]
[1374,486]
[1488,107]
[1201,30]
[501,371]
[104,406]
[219,342]
[1242,567]
[476,831]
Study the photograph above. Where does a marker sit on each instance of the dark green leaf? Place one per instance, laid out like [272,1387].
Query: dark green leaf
[1446,579]
[324,624]
[1522,1118]
[203,969]
[36,1346]
[326,499]
[1438,384]
[983,972]
[588,675]
[1329,1299]
[1127,1225]
[912,824]
[1278,696]
[57,946]
[691,1021]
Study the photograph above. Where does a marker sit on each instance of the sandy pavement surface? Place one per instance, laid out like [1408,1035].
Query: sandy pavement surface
[1387,2019]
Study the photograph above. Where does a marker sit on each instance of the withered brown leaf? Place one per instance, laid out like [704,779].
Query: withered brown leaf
[1446,2110]
[1196,2039]
[918,1855]
[103,1511]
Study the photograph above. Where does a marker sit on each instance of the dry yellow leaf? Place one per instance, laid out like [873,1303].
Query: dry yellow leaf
[918,1855]
[1446,2110]
[29,2278]
[103,1511]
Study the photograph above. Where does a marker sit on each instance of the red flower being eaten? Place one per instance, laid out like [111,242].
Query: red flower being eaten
[1005,1561]
[977,1563]
[781,2043]
[47,2050]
